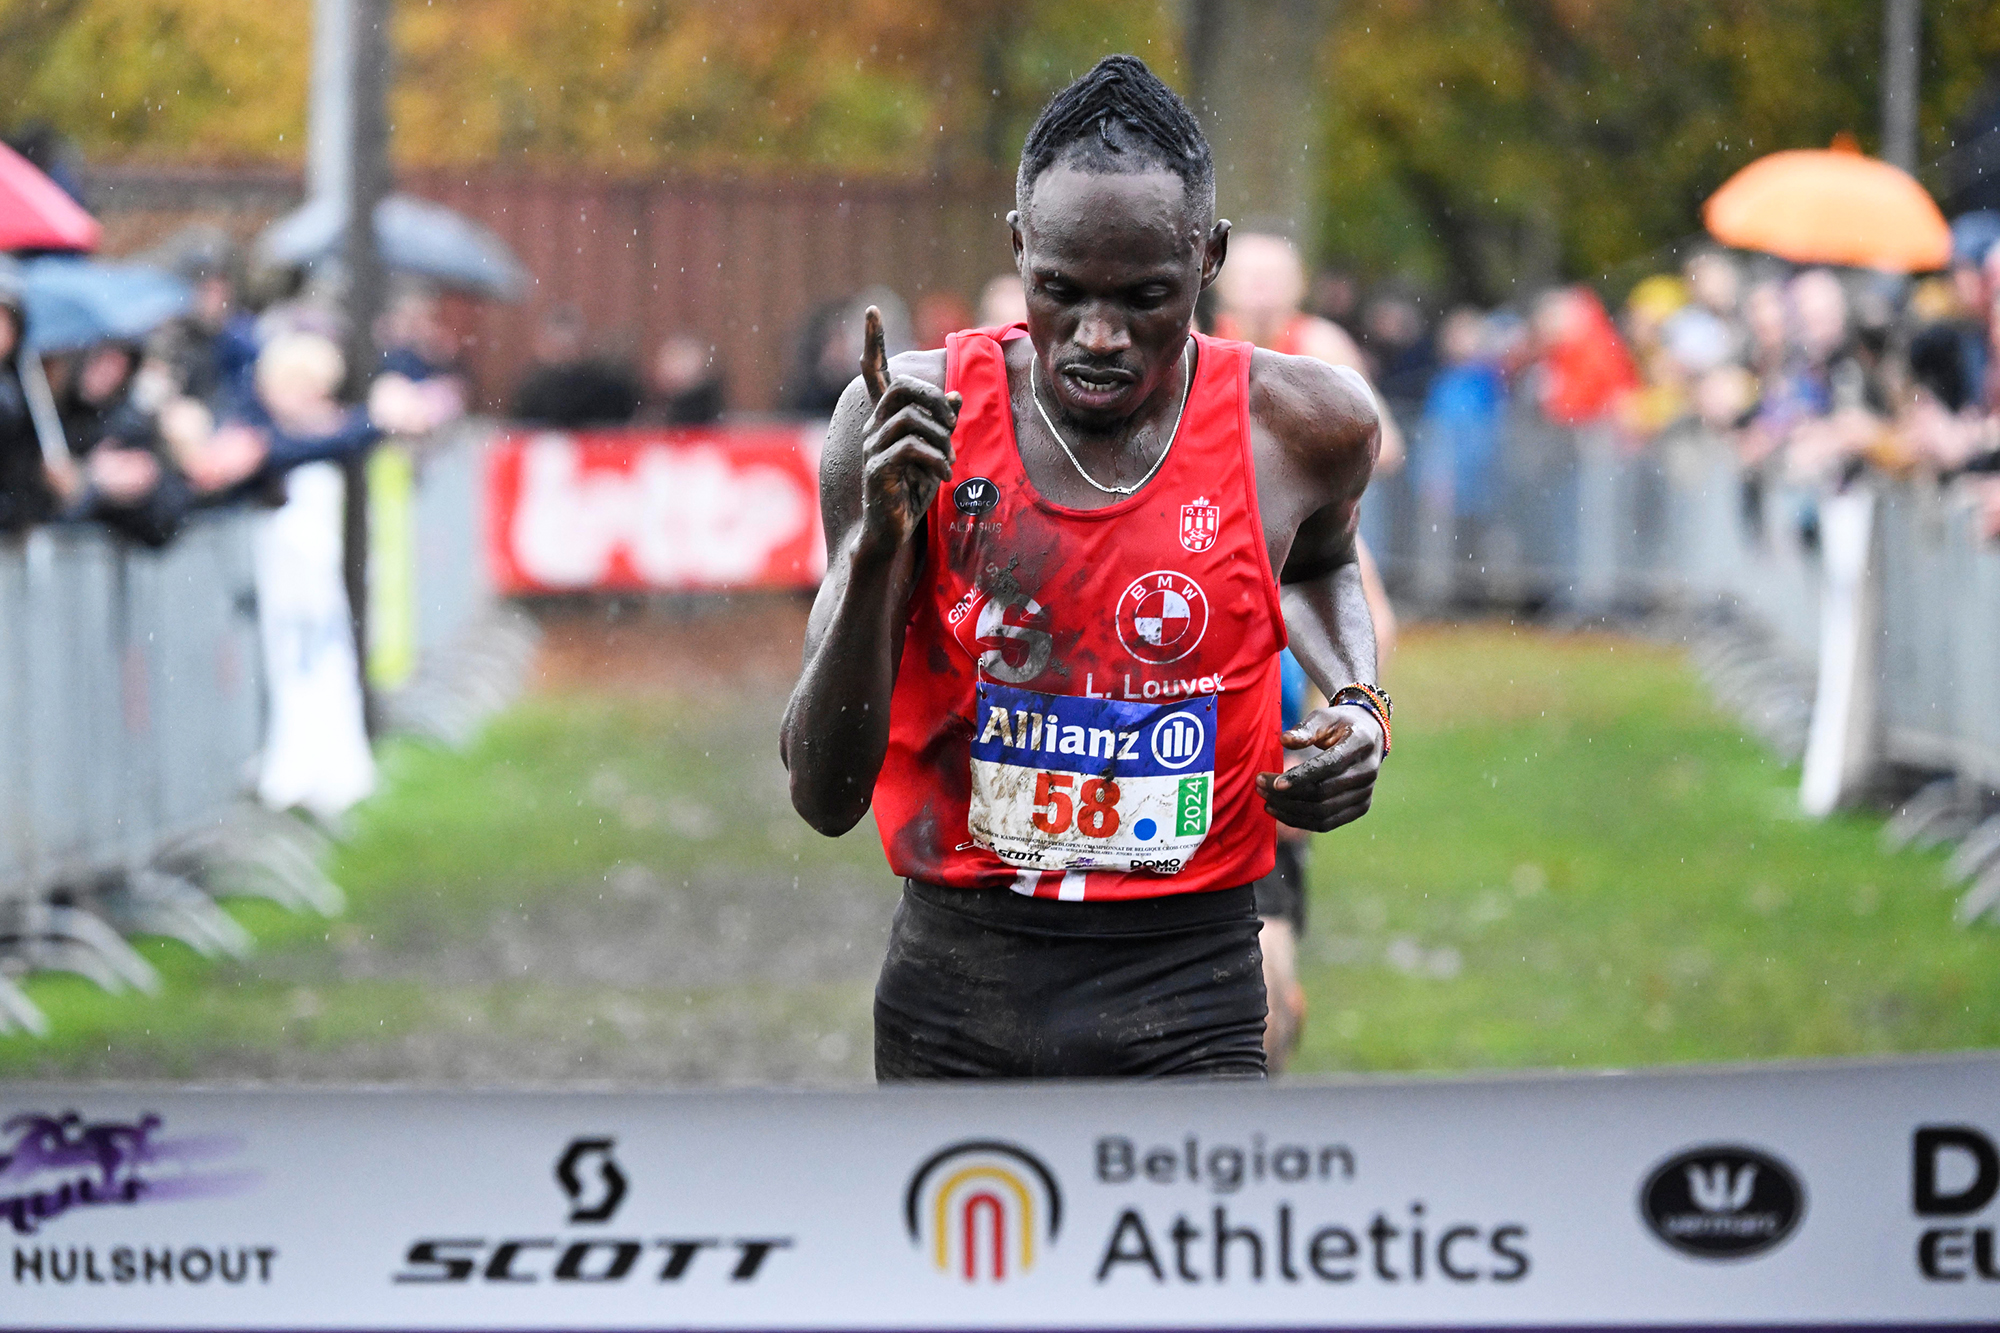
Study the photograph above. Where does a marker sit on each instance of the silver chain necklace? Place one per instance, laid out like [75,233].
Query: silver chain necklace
[1034,392]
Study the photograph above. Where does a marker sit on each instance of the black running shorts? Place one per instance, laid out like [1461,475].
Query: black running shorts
[1282,893]
[993,984]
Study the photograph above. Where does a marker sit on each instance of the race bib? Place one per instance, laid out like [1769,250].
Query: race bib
[1067,783]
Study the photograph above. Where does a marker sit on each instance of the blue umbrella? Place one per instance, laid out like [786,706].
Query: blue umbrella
[416,236]
[72,303]
[1973,234]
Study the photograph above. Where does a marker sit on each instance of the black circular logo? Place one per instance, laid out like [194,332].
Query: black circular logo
[1722,1201]
[976,495]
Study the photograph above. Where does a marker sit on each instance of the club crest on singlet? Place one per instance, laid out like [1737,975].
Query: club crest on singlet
[1200,522]
[1162,616]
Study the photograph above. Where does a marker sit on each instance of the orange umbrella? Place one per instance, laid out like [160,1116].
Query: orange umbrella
[1831,206]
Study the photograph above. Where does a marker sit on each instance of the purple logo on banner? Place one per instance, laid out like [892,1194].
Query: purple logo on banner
[53,1164]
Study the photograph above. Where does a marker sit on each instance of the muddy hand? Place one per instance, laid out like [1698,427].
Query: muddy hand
[907,451]
[1333,786]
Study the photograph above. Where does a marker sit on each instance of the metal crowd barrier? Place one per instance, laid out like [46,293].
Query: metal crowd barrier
[1940,635]
[129,717]
[1578,524]
[132,712]
[468,652]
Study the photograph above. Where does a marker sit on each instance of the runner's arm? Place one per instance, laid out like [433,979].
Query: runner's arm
[1332,433]
[887,450]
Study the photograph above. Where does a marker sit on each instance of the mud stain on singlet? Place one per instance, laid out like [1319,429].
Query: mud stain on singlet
[999,583]
[924,842]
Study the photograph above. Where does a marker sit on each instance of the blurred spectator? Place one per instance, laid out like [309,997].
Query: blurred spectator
[26,497]
[1707,342]
[1586,371]
[212,351]
[414,340]
[1335,297]
[1261,291]
[940,314]
[1462,419]
[1827,387]
[1950,421]
[293,419]
[1263,288]
[1766,319]
[298,378]
[568,389]
[684,387]
[1003,301]
[1662,397]
[1714,282]
[1948,352]
[126,480]
[421,386]
[1393,336]
[830,348]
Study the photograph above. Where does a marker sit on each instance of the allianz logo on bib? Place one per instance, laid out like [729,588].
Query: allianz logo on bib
[1178,740]
[1078,734]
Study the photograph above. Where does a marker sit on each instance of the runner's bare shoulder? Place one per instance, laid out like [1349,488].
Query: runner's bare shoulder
[1312,407]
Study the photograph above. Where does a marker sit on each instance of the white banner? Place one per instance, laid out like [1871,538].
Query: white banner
[1838,1194]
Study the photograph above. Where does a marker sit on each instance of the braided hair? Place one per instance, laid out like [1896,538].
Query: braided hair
[1120,118]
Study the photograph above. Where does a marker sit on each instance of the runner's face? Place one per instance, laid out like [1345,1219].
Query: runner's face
[1112,264]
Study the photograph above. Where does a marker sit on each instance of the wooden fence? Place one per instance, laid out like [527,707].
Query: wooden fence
[738,261]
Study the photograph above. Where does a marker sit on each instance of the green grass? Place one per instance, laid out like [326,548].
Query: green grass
[560,794]
[1573,859]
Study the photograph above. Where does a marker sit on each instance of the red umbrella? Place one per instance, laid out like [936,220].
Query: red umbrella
[35,213]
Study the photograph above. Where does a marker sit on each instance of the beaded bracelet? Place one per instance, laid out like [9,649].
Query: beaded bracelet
[1371,697]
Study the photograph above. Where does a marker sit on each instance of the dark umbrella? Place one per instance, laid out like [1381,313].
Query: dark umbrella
[73,303]
[36,213]
[70,303]
[416,236]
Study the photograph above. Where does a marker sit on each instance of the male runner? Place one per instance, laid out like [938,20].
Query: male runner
[1261,293]
[1046,647]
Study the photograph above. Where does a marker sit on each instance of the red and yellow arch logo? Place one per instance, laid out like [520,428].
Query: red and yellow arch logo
[983,1210]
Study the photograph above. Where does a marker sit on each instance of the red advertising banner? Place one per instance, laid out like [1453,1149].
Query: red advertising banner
[668,510]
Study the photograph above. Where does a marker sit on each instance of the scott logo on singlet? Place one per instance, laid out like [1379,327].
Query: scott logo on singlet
[1162,616]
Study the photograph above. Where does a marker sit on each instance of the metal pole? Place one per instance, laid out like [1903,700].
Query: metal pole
[1902,31]
[42,407]
[330,116]
[367,283]
[1255,79]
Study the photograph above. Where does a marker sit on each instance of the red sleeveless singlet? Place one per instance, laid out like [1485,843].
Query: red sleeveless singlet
[1085,696]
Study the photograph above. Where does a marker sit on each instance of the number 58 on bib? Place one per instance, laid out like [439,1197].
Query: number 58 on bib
[1061,782]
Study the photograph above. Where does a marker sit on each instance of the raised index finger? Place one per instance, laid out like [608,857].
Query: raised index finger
[875,357]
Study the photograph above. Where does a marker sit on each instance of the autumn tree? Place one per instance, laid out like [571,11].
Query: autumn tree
[1488,145]
[1475,145]
[618,84]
